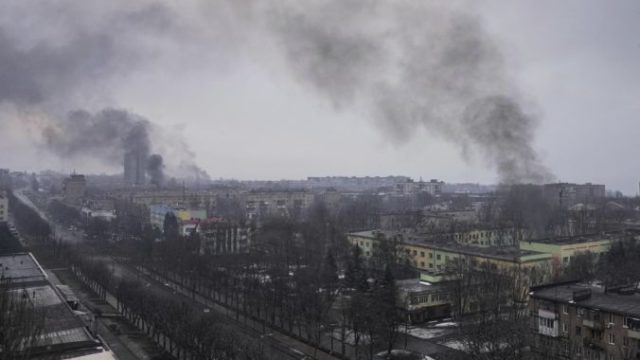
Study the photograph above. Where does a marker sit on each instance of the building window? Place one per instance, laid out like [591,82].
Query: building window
[421,253]
[415,253]
[580,312]
[438,257]
[578,330]
[430,255]
[625,341]
[565,309]
[612,339]
[431,265]
[421,263]
[565,327]
[611,318]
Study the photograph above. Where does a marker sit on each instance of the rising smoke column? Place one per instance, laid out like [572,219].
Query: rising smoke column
[409,63]
[49,69]
[414,64]
[108,135]
[155,169]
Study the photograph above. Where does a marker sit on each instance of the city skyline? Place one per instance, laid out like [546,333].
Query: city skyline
[586,107]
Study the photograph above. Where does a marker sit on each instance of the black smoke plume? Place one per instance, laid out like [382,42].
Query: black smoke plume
[155,169]
[107,135]
[414,64]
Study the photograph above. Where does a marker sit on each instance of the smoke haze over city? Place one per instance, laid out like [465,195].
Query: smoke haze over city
[248,89]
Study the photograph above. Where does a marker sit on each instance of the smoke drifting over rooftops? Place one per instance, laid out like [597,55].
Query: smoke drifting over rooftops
[47,73]
[409,64]
[415,64]
[108,135]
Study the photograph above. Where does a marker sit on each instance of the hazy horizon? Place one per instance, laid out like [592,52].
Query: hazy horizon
[226,86]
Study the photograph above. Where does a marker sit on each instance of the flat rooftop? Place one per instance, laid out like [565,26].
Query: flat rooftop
[21,268]
[63,331]
[599,300]
[411,238]
[415,285]
[565,240]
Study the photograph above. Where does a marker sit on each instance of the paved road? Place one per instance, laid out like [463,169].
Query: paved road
[276,346]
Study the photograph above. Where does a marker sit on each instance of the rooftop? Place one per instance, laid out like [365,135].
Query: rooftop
[415,285]
[599,299]
[21,268]
[604,236]
[503,252]
[63,330]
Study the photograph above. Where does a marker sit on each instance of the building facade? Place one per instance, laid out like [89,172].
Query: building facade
[65,334]
[74,189]
[422,301]
[221,236]
[567,195]
[4,206]
[581,321]
[437,253]
[276,203]
[135,166]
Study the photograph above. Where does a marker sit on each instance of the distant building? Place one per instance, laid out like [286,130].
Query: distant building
[65,335]
[276,203]
[421,301]
[74,189]
[400,220]
[355,183]
[5,179]
[222,236]
[438,252]
[157,214]
[565,248]
[4,206]
[135,167]
[567,195]
[582,321]
[433,187]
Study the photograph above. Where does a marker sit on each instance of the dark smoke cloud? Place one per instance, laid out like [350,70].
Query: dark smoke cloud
[107,135]
[83,49]
[409,63]
[413,64]
[34,75]
[155,169]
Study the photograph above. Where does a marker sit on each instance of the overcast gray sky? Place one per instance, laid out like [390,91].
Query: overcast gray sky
[210,73]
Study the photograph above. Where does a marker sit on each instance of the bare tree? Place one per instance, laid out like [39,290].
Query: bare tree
[21,322]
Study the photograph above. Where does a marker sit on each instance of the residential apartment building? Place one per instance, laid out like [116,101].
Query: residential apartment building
[564,248]
[222,236]
[567,195]
[66,333]
[4,206]
[157,214]
[436,253]
[582,321]
[74,189]
[410,187]
[5,179]
[422,301]
[276,203]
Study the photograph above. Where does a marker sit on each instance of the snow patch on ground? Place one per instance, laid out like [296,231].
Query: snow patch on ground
[424,333]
